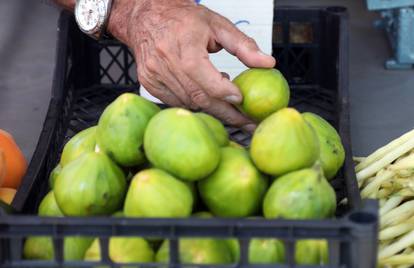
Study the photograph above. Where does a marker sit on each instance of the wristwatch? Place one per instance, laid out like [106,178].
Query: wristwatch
[92,16]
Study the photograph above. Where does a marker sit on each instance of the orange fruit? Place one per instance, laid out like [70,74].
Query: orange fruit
[15,163]
[2,167]
[7,195]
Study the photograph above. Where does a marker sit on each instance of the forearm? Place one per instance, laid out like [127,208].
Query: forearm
[124,11]
[67,4]
[121,12]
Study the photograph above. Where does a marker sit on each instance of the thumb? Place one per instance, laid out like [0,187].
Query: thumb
[239,44]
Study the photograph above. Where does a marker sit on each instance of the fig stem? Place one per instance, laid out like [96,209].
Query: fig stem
[317,166]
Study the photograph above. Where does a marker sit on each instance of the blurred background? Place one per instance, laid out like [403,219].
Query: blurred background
[381,100]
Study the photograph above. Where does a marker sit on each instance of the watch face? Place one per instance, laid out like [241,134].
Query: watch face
[89,13]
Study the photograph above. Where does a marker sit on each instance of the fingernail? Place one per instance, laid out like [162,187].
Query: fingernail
[249,127]
[268,56]
[233,99]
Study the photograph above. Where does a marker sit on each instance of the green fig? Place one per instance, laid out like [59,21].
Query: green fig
[236,187]
[302,194]
[49,207]
[90,185]
[283,143]
[81,143]
[123,250]
[198,251]
[311,252]
[41,248]
[155,193]
[264,91]
[217,128]
[121,128]
[332,152]
[261,251]
[180,143]
[54,174]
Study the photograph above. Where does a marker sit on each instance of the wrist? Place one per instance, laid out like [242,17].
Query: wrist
[119,16]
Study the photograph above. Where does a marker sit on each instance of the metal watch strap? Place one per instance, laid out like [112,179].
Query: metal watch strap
[103,33]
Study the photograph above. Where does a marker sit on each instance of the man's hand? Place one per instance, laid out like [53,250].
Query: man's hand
[171,41]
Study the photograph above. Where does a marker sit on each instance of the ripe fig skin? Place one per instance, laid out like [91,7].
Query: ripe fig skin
[180,143]
[198,251]
[300,195]
[155,193]
[217,128]
[82,142]
[123,250]
[121,129]
[91,185]
[332,152]
[284,142]
[264,92]
[236,188]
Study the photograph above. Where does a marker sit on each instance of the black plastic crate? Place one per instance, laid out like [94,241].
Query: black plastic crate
[311,46]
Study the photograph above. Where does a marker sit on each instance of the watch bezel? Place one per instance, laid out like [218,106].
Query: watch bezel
[97,30]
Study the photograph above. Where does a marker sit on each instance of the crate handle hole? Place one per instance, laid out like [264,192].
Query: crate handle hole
[337,9]
[363,218]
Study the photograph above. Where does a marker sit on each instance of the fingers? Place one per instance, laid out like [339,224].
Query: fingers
[209,79]
[228,114]
[182,74]
[239,44]
[213,46]
[154,86]
[161,92]
[195,98]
